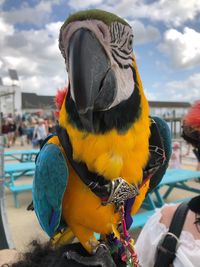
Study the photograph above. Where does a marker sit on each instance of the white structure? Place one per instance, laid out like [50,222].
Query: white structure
[10,99]
[13,100]
[169,109]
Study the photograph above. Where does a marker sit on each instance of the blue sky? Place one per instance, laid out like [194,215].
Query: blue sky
[166,43]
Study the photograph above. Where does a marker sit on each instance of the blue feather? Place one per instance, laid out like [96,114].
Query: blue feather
[49,185]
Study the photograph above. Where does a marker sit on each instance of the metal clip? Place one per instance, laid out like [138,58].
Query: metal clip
[120,192]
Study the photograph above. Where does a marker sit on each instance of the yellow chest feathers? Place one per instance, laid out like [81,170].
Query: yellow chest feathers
[112,154]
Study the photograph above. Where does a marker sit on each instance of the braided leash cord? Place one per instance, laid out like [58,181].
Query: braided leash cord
[129,255]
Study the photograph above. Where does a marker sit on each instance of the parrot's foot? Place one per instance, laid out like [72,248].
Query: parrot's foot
[102,257]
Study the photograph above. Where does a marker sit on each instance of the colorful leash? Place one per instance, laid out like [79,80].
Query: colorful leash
[129,255]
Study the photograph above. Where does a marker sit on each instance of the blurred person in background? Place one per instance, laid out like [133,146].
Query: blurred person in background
[175,161]
[196,152]
[29,131]
[5,130]
[11,132]
[40,132]
[51,126]
[22,132]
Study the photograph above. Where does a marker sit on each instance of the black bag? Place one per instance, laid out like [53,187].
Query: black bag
[166,251]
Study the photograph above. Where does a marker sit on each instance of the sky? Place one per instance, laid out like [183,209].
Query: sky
[166,43]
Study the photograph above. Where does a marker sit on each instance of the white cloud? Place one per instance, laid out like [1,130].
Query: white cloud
[181,90]
[183,49]
[144,34]
[2,2]
[36,57]
[149,95]
[6,31]
[5,28]
[173,12]
[80,4]
[169,11]
[35,53]
[43,85]
[37,15]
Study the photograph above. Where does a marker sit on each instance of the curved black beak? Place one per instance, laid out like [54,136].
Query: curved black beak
[92,81]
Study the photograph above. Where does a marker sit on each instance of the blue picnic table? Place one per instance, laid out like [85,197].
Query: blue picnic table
[173,179]
[14,171]
[21,155]
[176,179]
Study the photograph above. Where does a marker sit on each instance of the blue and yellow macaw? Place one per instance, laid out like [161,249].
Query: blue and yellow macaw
[104,129]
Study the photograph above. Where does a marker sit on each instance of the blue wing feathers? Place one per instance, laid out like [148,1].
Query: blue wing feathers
[49,185]
[166,138]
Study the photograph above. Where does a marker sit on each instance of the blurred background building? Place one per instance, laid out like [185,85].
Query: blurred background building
[14,102]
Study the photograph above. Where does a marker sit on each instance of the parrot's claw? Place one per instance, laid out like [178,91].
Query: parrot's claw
[102,257]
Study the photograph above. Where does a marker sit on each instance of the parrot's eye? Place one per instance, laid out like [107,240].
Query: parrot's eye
[130,42]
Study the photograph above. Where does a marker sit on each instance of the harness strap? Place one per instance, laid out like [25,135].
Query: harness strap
[166,251]
[97,183]
[156,149]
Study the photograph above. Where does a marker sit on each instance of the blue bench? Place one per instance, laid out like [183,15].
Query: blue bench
[140,219]
[175,178]
[15,189]
[21,155]
[14,172]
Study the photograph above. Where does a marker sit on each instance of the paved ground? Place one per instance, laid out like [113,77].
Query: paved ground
[24,226]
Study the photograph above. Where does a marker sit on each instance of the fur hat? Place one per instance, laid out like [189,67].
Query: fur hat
[191,125]
[194,204]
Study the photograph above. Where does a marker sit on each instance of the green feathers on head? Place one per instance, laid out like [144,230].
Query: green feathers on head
[92,14]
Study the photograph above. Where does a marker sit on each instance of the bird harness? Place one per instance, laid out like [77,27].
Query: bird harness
[117,192]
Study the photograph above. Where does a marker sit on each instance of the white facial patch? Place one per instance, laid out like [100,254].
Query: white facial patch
[116,41]
[99,28]
[122,60]
[125,84]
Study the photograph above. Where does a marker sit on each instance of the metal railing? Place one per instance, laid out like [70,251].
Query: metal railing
[5,237]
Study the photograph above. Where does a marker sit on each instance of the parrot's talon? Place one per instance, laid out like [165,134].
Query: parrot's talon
[103,245]
[101,258]
[67,255]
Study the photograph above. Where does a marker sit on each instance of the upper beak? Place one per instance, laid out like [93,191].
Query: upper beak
[92,81]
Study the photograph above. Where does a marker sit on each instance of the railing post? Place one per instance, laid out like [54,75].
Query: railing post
[5,238]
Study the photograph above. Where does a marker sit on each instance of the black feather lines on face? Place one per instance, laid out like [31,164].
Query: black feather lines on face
[120,117]
[121,44]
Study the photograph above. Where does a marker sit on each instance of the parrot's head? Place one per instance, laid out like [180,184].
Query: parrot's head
[105,91]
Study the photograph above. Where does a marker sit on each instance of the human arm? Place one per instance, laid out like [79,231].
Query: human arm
[8,256]
[188,252]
